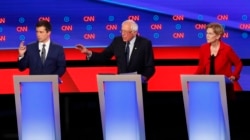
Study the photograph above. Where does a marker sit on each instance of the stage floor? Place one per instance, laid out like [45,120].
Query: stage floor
[164,117]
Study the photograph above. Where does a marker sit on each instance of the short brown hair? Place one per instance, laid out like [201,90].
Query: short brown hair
[45,24]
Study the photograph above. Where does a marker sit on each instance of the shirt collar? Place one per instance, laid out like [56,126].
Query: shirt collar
[132,41]
[46,44]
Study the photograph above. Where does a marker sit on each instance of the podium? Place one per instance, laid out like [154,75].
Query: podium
[121,105]
[206,109]
[37,107]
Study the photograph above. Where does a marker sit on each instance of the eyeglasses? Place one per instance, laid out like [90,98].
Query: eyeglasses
[125,32]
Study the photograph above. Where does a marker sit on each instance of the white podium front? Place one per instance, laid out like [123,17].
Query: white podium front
[206,109]
[121,104]
[37,107]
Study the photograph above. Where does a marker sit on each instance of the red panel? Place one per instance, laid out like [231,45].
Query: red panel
[8,55]
[167,78]
[176,53]
[73,54]
[83,79]
[6,82]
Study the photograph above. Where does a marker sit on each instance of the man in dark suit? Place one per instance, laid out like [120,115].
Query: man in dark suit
[133,53]
[42,57]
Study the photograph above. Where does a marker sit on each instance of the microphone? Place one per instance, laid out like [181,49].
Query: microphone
[40,51]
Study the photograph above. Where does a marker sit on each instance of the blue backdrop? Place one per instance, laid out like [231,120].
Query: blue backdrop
[95,22]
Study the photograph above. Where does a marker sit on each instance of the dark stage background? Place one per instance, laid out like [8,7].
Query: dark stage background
[81,120]
[176,28]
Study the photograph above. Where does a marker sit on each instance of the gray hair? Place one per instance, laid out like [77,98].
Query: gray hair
[134,25]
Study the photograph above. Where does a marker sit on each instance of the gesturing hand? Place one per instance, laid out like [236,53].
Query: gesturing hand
[83,49]
[21,49]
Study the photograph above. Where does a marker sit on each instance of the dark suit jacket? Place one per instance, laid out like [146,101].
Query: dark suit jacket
[54,64]
[141,59]
[224,61]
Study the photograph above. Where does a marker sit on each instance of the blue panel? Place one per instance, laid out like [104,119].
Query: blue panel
[206,120]
[37,111]
[96,22]
[121,111]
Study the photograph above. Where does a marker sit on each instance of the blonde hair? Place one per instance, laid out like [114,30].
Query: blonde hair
[218,28]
